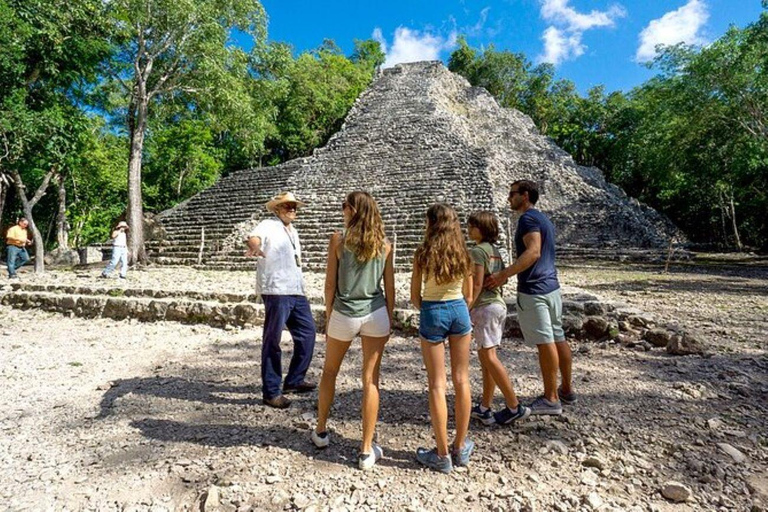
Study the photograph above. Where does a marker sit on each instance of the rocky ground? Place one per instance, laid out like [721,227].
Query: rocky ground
[107,415]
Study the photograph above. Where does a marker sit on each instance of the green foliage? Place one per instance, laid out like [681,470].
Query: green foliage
[313,94]
[182,160]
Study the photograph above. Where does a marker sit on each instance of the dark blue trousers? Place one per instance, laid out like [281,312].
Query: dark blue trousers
[16,258]
[291,311]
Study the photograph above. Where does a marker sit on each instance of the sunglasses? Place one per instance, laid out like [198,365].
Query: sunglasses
[288,207]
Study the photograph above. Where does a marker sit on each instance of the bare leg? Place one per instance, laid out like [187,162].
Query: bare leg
[489,386]
[373,349]
[498,373]
[434,360]
[566,362]
[459,346]
[549,362]
[335,351]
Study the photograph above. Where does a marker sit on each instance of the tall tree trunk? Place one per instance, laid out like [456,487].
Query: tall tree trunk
[28,204]
[3,196]
[62,230]
[734,225]
[138,127]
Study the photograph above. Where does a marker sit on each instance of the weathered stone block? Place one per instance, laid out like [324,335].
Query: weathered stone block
[177,312]
[117,308]
[573,325]
[657,337]
[90,307]
[596,326]
[512,327]
[685,344]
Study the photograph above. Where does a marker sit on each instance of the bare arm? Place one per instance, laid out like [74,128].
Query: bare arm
[254,247]
[477,283]
[389,281]
[416,285]
[115,233]
[530,256]
[331,277]
[467,288]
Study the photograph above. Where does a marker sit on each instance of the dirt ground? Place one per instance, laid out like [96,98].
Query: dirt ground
[106,415]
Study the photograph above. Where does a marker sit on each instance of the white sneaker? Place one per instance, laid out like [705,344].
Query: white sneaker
[320,440]
[367,460]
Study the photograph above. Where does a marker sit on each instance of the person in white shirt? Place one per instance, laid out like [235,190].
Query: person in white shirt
[119,251]
[280,284]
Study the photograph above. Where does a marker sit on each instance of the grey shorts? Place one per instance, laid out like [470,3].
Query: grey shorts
[541,317]
[488,324]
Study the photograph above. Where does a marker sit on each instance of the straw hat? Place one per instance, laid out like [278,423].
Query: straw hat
[123,224]
[281,198]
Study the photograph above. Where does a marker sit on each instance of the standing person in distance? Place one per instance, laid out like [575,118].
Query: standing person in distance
[119,251]
[280,284]
[17,239]
[355,304]
[539,304]
[441,287]
[488,312]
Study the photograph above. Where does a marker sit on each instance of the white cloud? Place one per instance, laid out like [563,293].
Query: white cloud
[477,28]
[562,39]
[559,12]
[560,46]
[411,45]
[679,26]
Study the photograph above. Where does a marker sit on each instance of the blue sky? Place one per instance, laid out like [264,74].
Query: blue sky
[591,42]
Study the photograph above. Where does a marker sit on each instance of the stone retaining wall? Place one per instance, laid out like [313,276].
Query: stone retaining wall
[585,316]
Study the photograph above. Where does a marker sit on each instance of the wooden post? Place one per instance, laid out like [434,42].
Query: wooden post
[202,244]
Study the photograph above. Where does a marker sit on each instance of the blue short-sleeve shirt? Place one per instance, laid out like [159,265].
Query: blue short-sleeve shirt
[541,277]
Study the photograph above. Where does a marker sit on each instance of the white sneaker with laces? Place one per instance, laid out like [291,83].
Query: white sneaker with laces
[320,440]
[367,460]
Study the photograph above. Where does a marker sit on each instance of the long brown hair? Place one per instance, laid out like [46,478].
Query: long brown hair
[365,229]
[443,253]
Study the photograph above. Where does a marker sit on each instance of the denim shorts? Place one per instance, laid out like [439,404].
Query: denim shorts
[440,319]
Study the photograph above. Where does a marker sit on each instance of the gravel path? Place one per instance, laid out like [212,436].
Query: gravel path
[105,415]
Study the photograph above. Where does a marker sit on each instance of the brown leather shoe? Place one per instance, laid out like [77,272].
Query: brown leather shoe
[301,387]
[279,402]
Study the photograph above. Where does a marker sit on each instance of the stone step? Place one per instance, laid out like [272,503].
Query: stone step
[179,309]
[109,291]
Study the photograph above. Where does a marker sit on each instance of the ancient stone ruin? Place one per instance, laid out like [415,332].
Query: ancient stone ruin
[419,134]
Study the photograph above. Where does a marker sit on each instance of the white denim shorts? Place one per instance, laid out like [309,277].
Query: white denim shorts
[488,324]
[345,328]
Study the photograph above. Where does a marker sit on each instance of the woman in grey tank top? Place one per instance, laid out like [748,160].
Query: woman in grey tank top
[355,304]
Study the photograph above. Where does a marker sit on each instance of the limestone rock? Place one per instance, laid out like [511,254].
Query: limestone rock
[676,492]
[684,344]
[596,326]
[734,453]
[657,337]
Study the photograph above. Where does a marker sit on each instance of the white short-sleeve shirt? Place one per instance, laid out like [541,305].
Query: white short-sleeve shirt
[119,240]
[277,272]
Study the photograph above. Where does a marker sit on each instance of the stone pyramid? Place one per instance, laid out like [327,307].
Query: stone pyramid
[419,134]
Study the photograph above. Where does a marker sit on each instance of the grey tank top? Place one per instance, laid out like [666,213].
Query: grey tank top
[358,285]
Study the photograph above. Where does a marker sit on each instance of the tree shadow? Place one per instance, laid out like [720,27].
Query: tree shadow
[719,286]
[222,435]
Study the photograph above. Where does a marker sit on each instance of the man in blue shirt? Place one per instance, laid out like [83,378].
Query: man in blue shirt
[539,305]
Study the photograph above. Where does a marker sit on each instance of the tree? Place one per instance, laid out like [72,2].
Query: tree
[49,50]
[177,51]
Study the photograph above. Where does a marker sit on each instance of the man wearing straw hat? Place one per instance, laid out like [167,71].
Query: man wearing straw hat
[280,283]
[119,251]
